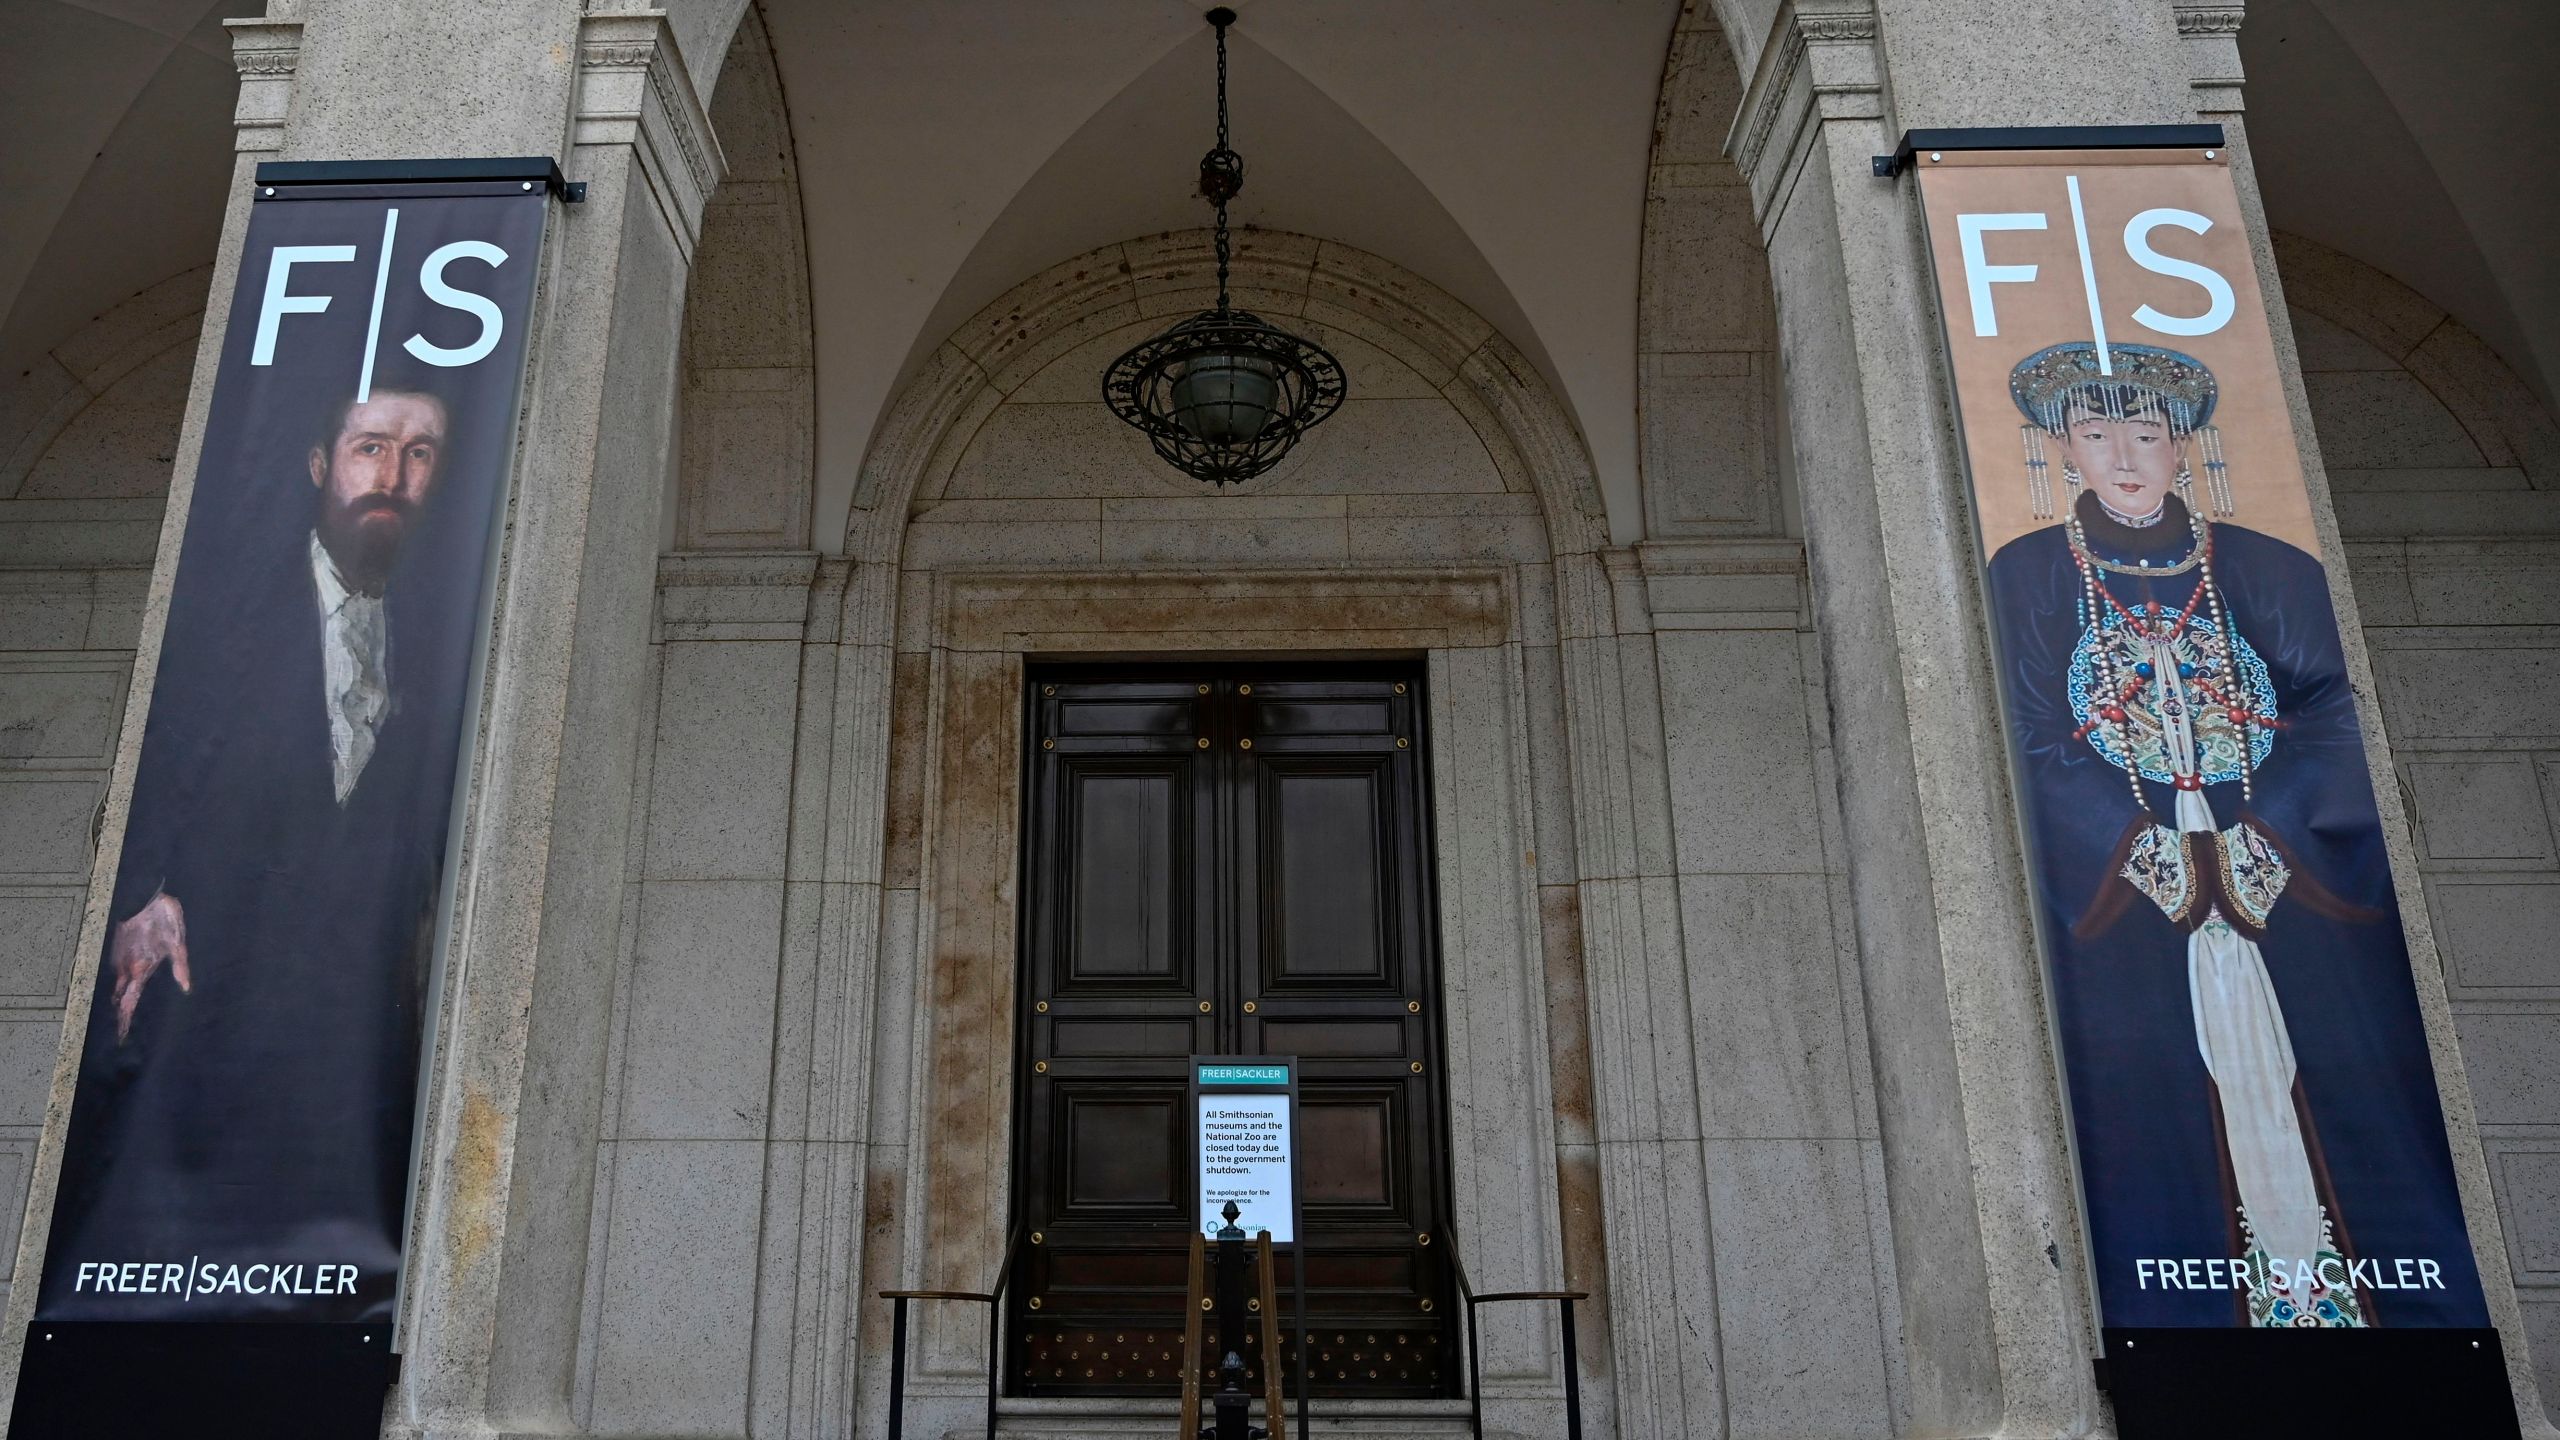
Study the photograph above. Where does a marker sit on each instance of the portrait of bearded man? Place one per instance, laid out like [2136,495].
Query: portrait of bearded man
[2248,1075]
[248,1083]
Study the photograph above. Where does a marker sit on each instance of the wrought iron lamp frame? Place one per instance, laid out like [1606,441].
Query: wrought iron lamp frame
[1140,385]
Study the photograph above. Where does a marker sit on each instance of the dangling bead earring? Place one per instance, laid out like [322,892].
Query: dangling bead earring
[2217,474]
[2039,483]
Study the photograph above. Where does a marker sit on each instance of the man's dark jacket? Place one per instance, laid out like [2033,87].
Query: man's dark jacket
[265,1116]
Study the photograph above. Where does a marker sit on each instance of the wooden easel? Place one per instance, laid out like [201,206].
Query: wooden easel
[1198,1314]
[1195,1304]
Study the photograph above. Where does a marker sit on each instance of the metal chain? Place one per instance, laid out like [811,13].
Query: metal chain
[1222,145]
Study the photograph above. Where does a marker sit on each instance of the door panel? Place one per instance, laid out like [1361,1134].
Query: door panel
[1126,885]
[1321,898]
[1226,859]
[1095,1038]
[1347,1150]
[1120,1155]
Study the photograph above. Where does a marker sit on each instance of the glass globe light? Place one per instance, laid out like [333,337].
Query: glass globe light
[1225,397]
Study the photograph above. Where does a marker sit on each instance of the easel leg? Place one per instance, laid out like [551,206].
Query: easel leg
[1194,1293]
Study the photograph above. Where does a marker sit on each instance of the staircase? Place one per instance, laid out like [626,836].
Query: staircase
[1151,1420]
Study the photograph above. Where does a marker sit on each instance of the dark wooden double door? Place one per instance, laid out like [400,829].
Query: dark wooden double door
[1226,859]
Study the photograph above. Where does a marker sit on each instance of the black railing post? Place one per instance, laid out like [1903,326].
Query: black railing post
[1467,1301]
[1231,1401]
[995,1355]
[995,1332]
[898,1368]
[1475,1365]
[1572,1375]
[993,1300]
[1475,1378]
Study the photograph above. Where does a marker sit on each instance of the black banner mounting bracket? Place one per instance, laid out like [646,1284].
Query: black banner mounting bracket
[529,171]
[2046,137]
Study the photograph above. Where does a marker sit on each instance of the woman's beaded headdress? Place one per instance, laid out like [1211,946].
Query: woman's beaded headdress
[2137,380]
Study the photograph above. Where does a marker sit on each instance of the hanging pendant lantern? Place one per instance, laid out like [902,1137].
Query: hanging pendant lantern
[1225,394]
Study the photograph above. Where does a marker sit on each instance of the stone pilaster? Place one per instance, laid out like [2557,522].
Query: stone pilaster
[498,1258]
[1994,1312]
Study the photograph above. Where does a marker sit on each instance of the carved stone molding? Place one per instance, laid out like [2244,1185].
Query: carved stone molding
[1833,29]
[1397,608]
[1725,584]
[266,53]
[634,90]
[736,597]
[1822,63]
[2209,32]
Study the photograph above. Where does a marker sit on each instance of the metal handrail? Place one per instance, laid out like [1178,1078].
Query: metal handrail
[994,1301]
[1475,1374]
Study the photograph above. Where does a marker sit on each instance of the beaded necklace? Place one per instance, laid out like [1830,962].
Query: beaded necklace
[2214,679]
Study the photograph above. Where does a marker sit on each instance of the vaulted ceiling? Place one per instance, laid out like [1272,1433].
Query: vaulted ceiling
[1496,147]
[2408,136]
[118,114]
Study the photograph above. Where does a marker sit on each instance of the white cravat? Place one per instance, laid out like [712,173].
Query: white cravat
[356,684]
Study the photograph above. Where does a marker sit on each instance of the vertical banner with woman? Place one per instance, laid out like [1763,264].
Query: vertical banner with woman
[237,1163]
[2254,1110]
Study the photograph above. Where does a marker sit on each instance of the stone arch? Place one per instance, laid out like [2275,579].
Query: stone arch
[2424,430]
[708,28]
[98,417]
[1149,281]
[1709,447]
[746,404]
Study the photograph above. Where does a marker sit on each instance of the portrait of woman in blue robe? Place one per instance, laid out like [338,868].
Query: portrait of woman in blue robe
[2253,1105]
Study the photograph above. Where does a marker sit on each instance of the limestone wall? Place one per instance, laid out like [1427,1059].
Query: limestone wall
[2447,476]
[86,439]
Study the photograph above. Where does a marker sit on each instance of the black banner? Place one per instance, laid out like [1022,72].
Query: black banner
[240,1142]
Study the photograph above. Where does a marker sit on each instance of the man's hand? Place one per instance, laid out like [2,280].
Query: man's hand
[156,933]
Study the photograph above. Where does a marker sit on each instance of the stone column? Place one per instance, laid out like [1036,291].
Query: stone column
[1996,1312]
[499,1258]
[498,1254]
[1976,1176]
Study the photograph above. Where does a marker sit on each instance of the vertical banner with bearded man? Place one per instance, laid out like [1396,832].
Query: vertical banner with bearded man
[239,1145]
[2254,1111]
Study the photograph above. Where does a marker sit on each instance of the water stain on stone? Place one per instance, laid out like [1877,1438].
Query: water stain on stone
[1568,1018]
[1586,1252]
[477,1143]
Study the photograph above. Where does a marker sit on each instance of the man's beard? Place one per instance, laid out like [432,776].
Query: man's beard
[363,537]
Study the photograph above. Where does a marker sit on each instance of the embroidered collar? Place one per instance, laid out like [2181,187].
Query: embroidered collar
[2167,546]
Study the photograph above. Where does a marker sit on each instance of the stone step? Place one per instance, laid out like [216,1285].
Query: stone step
[1126,1420]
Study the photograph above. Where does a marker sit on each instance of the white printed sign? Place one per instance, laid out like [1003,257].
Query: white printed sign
[1244,1157]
